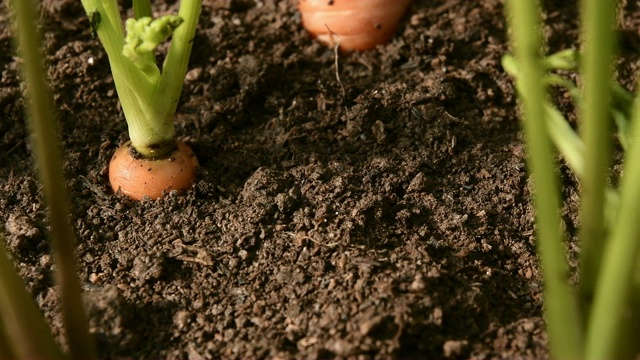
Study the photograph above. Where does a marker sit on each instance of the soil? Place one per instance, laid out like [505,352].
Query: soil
[382,214]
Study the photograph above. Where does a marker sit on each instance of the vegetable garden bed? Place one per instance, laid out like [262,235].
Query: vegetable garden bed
[385,214]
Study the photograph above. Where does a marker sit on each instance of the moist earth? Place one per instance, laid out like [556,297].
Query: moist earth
[365,205]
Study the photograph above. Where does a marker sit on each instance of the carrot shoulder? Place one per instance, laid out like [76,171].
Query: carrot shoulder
[354,24]
[138,177]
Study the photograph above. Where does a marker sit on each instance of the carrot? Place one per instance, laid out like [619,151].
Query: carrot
[138,177]
[148,96]
[353,24]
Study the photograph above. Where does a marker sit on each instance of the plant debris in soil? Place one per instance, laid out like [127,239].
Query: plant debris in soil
[381,214]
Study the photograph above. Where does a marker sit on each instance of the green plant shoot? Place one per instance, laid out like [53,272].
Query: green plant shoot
[148,94]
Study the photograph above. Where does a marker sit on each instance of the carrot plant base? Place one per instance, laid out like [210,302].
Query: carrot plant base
[137,177]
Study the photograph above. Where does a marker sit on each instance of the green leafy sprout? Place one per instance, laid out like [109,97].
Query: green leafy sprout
[148,95]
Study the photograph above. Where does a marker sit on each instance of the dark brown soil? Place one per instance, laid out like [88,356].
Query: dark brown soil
[388,220]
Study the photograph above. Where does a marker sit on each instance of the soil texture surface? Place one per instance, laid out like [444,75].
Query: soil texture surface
[364,205]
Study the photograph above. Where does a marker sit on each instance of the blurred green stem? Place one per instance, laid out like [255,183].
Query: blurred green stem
[563,322]
[597,34]
[27,334]
[48,158]
[614,282]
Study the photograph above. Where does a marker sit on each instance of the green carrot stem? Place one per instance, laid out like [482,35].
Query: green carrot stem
[563,321]
[595,127]
[48,156]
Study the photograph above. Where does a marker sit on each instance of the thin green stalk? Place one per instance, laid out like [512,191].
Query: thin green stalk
[24,326]
[142,8]
[563,322]
[175,65]
[48,157]
[597,32]
[619,259]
